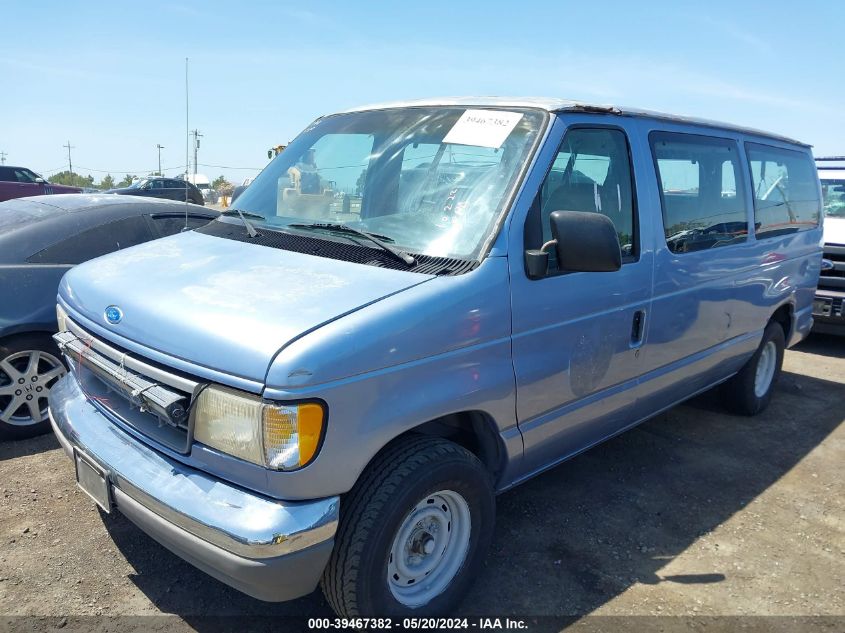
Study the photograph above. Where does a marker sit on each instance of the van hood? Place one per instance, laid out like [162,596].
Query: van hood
[834,230]
[219,303]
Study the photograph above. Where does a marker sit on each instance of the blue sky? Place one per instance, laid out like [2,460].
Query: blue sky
[109,76]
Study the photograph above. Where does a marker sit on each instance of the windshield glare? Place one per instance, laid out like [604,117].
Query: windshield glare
[137,184]
[390,172]
[833,194]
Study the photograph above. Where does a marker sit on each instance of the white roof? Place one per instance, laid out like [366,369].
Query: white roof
[828,173]
[562,105]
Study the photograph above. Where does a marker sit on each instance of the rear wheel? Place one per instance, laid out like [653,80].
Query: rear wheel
[29,366]
[413,532]
[749,392]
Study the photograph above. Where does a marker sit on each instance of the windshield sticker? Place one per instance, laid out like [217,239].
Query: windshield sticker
[483,128]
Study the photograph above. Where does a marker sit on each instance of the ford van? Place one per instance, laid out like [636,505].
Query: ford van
[418,306]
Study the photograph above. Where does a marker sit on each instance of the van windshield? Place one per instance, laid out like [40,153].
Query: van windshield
[428,180]
[833,194]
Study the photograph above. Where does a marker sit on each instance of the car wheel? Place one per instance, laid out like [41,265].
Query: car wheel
[29,366]
[413,532]
[750,390]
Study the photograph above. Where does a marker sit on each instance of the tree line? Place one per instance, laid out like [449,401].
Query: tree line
[108,182]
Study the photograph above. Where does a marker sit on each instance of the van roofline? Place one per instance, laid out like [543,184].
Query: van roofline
[555,105]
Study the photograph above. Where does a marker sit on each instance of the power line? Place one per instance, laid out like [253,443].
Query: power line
[231,167]
[127,171]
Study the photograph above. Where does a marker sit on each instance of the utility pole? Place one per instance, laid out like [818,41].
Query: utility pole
[160,147]
[196,134]
[69,162]
[3,158]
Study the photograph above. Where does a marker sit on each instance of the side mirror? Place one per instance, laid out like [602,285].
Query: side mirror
[583,242]
[40,180]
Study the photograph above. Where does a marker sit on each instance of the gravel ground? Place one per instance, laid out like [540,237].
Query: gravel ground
[694,513]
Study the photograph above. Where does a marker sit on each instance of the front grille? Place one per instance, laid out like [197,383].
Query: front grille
[152,400]
[834,278]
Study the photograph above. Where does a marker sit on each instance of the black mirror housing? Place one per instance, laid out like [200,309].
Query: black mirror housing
[536,263]
[585,242]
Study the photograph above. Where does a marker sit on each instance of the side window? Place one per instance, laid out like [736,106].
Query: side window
[157,184]
[701,191]
[95,242]
[786,196]
[24,175]
[172,224]
[592,173]
[7,174]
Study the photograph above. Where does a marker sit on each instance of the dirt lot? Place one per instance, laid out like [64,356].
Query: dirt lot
[695,512]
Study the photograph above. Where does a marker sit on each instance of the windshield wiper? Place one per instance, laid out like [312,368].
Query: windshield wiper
[249,214]
[249,228]
[376,239]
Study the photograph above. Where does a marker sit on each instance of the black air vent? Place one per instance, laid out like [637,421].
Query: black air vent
[338,248]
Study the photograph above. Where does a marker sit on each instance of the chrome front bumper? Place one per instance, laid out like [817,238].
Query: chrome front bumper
[270,549]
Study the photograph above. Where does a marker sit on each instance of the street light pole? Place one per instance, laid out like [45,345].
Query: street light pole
[3,158]
[160,147]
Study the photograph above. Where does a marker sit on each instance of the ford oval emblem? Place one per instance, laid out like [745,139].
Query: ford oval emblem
[114,315]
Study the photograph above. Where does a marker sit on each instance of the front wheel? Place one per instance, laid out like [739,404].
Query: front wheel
[749,392]
[29,367]
[413,532]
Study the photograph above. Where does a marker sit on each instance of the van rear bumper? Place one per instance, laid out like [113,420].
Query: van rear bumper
[272,550]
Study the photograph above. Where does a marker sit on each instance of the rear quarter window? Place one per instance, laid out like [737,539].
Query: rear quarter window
[786,190]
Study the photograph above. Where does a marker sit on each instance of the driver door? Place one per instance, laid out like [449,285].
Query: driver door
[578,336]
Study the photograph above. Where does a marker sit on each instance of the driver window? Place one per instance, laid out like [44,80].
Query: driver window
[591,173]
[700,190]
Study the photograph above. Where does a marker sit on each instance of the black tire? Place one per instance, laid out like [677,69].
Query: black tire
[401,477]
[739,392]
[9,348]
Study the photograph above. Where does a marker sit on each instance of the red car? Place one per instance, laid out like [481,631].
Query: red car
[20,182]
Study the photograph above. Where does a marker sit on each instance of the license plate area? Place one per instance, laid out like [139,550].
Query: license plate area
[93,480]
[822,307]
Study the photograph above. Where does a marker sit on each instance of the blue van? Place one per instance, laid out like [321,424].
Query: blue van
[417,306]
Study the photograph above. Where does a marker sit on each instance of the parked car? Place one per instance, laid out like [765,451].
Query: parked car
[159,187]
[202,183]
[829,304]
[40,239]
[239,189]
[417,306]
[20,182]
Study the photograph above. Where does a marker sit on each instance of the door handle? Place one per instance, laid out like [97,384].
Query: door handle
[637,328]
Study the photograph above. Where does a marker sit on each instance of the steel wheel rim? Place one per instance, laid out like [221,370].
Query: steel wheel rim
[429,548]
[765,369]
[25,381]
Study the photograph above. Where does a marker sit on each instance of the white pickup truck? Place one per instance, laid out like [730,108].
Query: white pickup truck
[829,304]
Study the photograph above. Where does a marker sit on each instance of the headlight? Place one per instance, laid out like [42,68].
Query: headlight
[61,317]
[281,437]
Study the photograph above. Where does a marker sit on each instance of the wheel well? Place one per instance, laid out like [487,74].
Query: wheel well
[475,431]
[783,316]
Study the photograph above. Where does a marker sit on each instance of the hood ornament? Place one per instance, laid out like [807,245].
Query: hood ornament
[113,314]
